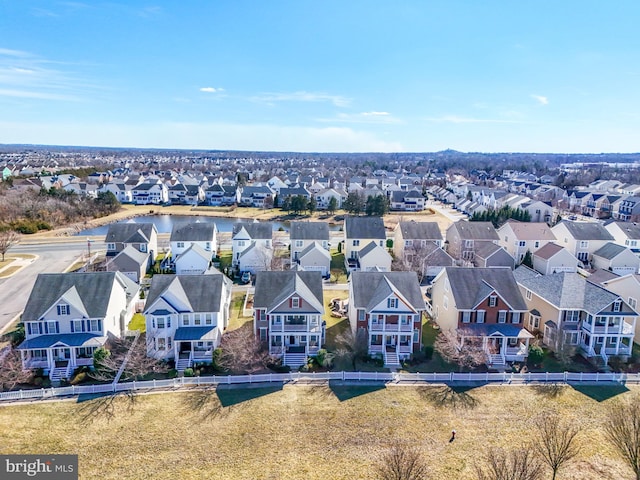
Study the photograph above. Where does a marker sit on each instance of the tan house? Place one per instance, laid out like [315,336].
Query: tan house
[464,237]
[518,238]
[552,258]
[628,288]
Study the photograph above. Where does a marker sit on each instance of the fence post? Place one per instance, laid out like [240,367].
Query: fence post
[21,394]
[597,376]
[451,376]
[134,385]
[228,379]
[580,376]
[250,378]
[343,375]
[565,377]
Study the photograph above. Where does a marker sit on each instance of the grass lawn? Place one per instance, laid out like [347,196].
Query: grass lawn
[138,323]
[335,325]
[9,271]
[236,319]
[299,432]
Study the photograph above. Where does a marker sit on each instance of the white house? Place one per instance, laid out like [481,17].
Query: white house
[246,235]
[615,258]
[304,234]
[582,239]
[358,233]
[203,234]
[195,260]
[552,258]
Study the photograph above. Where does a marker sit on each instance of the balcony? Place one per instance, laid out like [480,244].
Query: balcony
[295,327]
[623,328]
[391,327]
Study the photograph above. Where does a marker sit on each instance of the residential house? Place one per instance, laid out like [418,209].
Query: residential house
[552,258]
[409,237]
[287,314]
[582,239]
[259,196]
[186,194]
[69,315]
[120,190]
[463,237]
[518,238]
[616,258]
[194,260]
[538,211]
[150,193]
[314,258]
[255,238]
[626,287]
[323,198]
[409,201]
[203,234]
[308,234]
[372,257]
[221,195]
[131,262]
[141,236]
[186,316]
[626,234]
[388,306]
[483,303]
[577,315]
[358,233]
[492,255]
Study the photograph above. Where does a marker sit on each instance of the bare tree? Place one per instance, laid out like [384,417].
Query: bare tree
[8,238]
[556,441]
[461,348]
[622,428]
[415,258]
[241,352]
[402,462]
[518,464]
[138,363]
[11,371]
[352,346]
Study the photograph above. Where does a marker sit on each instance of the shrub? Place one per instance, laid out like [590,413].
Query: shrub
[536,354]
[37,381]
[99,356]
[173,373]
[78,378]
[188,372]
[279,368]
[428,352]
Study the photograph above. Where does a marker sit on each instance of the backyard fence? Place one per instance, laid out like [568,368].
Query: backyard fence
[399,378]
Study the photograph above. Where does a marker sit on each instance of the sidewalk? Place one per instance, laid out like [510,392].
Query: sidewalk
[18,264]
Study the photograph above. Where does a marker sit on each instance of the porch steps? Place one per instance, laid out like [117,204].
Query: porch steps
[294,360]
[59,373]
[391,359]
[496,359]
[183,363]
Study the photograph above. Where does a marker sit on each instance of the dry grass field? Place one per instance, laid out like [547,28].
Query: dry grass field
[302,432]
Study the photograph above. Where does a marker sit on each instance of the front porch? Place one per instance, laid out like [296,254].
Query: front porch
[194,345]
[502,342]
[294,349]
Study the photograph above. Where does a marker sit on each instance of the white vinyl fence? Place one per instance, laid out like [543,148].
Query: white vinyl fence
[400,378]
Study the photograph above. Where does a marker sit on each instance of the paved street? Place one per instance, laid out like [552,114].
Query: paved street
[52,257]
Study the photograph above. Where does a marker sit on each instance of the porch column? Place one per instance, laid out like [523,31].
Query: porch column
[23,355]
[176,349]
[50,360]
[191,348]
[72,356]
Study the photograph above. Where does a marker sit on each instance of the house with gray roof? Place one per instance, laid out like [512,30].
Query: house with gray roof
[407,201]
[151,192]
[141,236]
[313,258]
[247,235]
[492,255]
[358,233]
[288,308]
[130,262]
[305,234]
[186,316]
[552,258]
[615,258]
[195,260]
[259,196]
[626,234]
[218,195]
[582,239]
[483,303]
[410,236]
[518,238]
[371,258]
[576,315]
[463,237]
[388,306]
[69,315]
[183,235]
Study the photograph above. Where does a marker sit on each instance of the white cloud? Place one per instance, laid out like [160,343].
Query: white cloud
[13,53]
[4,92]
[375,114]
[211,89]
[459,119]
[198,136]
[302,96]
[364,117]
[540,99]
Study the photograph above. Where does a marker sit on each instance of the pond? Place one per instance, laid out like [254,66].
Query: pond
[165,223]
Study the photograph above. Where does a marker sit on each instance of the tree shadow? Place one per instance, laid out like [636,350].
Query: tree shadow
[334,330]
[447,396]
[347,392]
[549,390]
[600,393]
[105,406]
[229,396]
[204,402]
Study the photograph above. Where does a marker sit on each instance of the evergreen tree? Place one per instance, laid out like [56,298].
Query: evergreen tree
[333,205]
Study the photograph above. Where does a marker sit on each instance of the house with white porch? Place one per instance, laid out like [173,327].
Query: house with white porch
[287,314]
[483,303]
[576,315]
[388,306]
[69,315]
[251,235]
[626,287]
[186,316]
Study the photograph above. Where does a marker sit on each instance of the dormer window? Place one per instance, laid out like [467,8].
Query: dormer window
[493,301]
[392,302]
[617,305]
[63,309]
[295,302]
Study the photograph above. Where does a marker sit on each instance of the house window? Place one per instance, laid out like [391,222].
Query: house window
[480,316]
[572,316]
[161,343]
[299,243]
[584,244]
[468,243]
[493,301]
[277,320]
[502,316]
[111,246]
[180,245]
[361,314]
[404,320]
[445,302]
[408,243]
[52,327]
[522,243]
[63,309]
[208,319]
[392,303]
[466,317]
[295,302]
[208,246]
[416,336]
[33,328]
[263,334]
[161,323]
[143,247]
[169,343]
[515,317]
[356,243]
[534,321]
[528,294]
[633,303]
[185,320]
[617,305]
[536,244]
[197,319]
[76,326]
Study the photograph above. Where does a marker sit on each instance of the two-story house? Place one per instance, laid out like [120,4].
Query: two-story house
[183,235]
[463,237]
[130,262]
[626,235]
[483,303]
[141,236]
[518,238]
[252,246]
[287,314]
[582,239]
[409,237]
[626,287]
[629,210]
[389,307]
[150,193]
[308,240]
[411,201]
[259,196]
[615,258]
[186,316]
[552,258]
[577,315]
[69,315]
[358,233]
[218,195]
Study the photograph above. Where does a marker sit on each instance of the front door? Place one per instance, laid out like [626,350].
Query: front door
[292,340]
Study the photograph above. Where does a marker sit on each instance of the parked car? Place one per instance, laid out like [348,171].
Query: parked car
[246,277]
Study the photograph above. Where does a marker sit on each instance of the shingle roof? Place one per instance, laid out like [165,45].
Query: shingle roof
[364,227]
[609,251]
[69,339]
[470,286]
[371,288]
[133,253]
[192,333]
[420,230]
[587,230]
[530,230]
[309,231]
[257,231]
[193,232]
[548,251]
[631,230]
[566,290]
[312,247]
[129,233]
[272,288]
[475,230]
[88,292]
[201,293]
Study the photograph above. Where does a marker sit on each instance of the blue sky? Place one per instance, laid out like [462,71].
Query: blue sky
[354,76]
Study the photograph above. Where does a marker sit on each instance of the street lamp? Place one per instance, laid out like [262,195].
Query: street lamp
[89,248]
